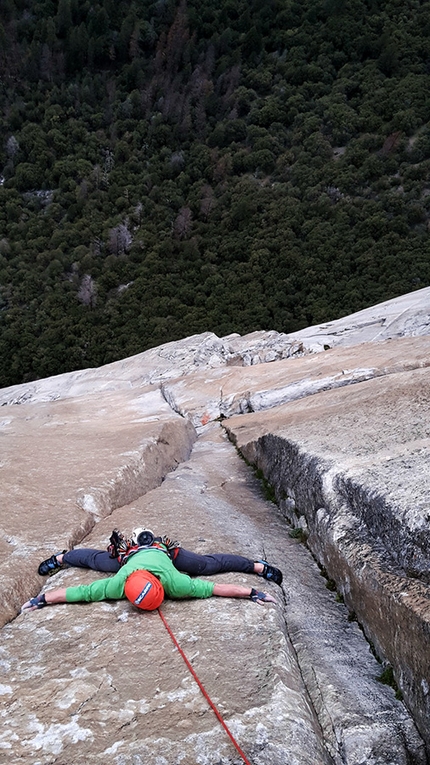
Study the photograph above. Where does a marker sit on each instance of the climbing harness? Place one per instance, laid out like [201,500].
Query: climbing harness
[205,694]
[122,548]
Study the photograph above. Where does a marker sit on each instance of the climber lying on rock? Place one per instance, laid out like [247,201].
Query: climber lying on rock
[121,549]
[144,579]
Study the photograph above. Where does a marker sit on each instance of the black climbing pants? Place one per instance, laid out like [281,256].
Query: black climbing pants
[188,562]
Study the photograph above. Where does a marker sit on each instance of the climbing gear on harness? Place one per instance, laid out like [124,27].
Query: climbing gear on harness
[256,596]
[144,590]
[203,690]
[147,538]
[271,573]
[118,544]
[122,548]
[50,565]
[172,546]
[38,602]
[156,545]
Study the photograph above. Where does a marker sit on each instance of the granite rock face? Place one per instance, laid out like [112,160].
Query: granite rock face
[341,437]
[229,391]
[67,464]
[405,316]
[350,468]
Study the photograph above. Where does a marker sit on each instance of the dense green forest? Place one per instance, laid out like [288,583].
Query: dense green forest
[178,166]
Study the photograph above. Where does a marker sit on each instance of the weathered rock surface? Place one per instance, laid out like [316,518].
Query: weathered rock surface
[405,316]
[342,435]
[66,464]
[228,391]
[301,693]
[351,467]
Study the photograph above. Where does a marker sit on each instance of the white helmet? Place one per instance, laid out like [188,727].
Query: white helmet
[135,533]
[142,537]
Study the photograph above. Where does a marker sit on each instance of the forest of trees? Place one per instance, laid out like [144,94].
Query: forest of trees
[171,167]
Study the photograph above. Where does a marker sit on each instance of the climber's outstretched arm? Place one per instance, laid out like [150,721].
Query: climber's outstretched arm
[221,590]
[238,591]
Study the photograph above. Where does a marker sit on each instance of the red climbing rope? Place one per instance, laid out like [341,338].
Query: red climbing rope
[205,694]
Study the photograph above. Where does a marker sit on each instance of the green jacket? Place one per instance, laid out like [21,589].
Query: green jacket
[176,585]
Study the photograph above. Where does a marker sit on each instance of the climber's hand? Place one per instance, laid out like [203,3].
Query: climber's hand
[261,597]
[34,603]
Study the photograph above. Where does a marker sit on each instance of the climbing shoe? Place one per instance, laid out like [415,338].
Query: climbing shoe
[271,573]
[50,565]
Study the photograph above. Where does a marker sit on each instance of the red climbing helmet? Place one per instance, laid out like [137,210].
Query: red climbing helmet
[144,590]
